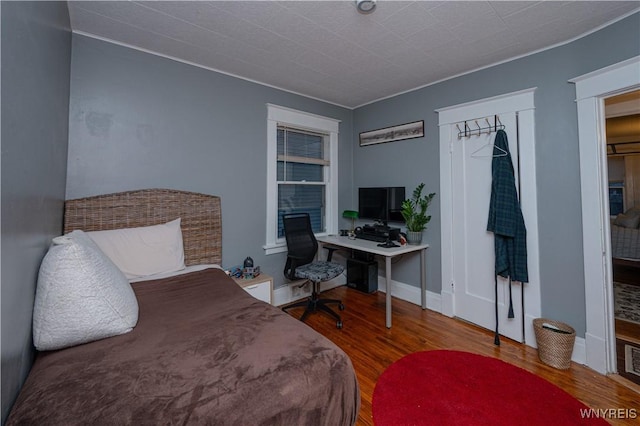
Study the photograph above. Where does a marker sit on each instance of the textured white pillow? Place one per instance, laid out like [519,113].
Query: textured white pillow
[627,220]
[143,251]
[81,295]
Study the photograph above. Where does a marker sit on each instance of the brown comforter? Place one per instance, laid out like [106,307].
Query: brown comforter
[203,352]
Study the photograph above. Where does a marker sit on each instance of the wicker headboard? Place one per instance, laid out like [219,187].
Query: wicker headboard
[201,219]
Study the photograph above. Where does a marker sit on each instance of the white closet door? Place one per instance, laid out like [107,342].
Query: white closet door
[465,189]
[473,245]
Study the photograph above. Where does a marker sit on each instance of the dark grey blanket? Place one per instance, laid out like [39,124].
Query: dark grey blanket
[203,352]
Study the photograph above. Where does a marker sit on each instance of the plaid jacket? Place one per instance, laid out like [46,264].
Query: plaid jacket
[505,217]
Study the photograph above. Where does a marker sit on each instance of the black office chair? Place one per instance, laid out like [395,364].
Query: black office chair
[302,247]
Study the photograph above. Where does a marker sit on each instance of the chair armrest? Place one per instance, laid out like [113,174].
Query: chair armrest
[291,265]
[293,257]
[331,249]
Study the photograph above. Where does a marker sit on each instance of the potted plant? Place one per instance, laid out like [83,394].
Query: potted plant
[414,212]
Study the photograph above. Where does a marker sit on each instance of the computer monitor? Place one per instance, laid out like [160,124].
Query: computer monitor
[381,203]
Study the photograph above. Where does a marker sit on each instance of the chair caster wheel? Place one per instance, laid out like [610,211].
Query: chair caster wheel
[339,324]
[341,307]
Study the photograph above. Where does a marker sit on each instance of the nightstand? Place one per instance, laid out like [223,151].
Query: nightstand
[260,287]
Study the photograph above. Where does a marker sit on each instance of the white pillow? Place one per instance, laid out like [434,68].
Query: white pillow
[143,251]
[81,296]
[627,220]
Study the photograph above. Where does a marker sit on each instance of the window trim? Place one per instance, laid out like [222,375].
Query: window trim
[278,115]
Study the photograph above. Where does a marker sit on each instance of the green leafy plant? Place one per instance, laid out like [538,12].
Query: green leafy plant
[414,210]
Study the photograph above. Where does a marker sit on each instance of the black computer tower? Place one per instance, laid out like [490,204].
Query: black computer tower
[362,275]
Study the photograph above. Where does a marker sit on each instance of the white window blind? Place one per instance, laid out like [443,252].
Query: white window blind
[302,166]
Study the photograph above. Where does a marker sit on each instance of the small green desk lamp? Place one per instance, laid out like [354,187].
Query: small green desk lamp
[351,214]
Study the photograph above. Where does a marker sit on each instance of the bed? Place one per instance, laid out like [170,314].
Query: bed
[625,246]
[203,351]
[625,242]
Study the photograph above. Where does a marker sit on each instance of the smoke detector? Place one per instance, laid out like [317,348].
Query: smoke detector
[366,6]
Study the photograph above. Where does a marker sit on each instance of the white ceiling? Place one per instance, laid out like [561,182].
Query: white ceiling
[327,50]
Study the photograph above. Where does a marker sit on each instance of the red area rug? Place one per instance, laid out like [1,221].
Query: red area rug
[461,388]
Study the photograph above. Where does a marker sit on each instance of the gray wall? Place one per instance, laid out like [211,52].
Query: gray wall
[557,154]
[615,166]
[36,56]
[142,121]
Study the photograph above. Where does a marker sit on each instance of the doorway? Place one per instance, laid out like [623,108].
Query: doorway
[467,248]
[622,115]
[591,90]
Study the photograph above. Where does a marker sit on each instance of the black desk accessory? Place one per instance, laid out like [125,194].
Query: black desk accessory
[388,244]
[379,233]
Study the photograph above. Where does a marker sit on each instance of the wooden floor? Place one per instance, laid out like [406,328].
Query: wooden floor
[372,348]
[628,330]
[627,333]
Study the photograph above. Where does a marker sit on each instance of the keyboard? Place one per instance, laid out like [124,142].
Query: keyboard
[371,237]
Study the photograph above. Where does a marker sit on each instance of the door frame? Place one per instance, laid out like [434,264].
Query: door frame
[591,90]
[523,102]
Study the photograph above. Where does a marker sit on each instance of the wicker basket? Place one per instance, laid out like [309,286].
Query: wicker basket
[554,347]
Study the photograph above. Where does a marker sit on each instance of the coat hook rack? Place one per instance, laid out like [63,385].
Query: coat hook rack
[488,128]
[467,132]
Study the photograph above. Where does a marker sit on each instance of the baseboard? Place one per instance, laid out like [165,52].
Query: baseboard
[284,295]
[579,354]
[435,303]
[411,294]
[447,303]
[596,359]
[529,331]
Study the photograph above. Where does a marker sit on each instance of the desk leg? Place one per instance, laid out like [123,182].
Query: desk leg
[423,278]
[388,284]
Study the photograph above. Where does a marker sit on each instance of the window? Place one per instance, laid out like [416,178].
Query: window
[301,176]
[616,198]
[301,172]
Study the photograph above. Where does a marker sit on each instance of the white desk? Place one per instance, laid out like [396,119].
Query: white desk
[388,253]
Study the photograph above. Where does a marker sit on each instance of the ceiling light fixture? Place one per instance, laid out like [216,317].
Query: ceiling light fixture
[366,6]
